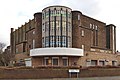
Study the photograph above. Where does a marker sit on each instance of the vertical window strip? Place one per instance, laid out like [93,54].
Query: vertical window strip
[83,33]
[66,28]
[49,27]
[61,29]
[33,43]
[55,31]
[96,37]
[83,47]
[93,38]
[78,17]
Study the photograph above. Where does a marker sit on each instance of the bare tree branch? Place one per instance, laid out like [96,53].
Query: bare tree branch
[2,45]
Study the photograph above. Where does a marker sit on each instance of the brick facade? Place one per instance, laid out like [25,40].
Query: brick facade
[97,39]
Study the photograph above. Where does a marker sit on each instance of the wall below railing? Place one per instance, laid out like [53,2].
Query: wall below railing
[50,73]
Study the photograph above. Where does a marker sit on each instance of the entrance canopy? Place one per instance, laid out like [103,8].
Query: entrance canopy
[56,52]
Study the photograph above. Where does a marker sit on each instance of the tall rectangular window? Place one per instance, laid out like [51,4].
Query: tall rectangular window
[96,37]
[108,37]
[24,47]
[96,27]
[82,32]
[46,60]
[93,26]
[43,42]
[55,61]
[78,17]
[113,38]
[90,26]
[65,61]
[82,46]
[93,37]
[33,43]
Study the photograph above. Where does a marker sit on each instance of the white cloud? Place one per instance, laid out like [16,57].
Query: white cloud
[14,13]
[109,13]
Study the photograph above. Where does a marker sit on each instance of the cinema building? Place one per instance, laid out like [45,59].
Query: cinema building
[60,36]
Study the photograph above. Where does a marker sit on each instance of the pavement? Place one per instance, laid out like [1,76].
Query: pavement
[89,78]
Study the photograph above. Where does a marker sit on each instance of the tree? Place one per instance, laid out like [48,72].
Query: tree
[2,45]
[5,56]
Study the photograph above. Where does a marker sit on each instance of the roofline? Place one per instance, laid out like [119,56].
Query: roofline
[94,19]
[111,25]
[56,6]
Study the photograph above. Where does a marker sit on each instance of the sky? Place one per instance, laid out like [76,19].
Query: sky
[14,13]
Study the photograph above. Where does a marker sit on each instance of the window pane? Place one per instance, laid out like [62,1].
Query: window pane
[101,63]
[88,63]
[65,62]
[78,17]
[93,62]
[82,32]
[55,61]
[114,63]
[46,61]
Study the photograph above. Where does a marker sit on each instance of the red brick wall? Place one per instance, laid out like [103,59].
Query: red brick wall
[38,30]
[38,61]
[55,73]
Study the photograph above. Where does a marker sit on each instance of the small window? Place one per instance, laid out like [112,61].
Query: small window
[43,40]
[90,26]
[65,61]
[114,63]
[83,46]
[78,17]
[55,61]
[96,27]
[101,63]
[33,32]
[24,47]
[46,60]
[82,32]
[88,63]
[93,62]
[33,43]
[93,26]
[29,27]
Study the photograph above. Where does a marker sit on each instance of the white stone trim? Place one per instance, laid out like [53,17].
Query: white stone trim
[56,52]
[64,57]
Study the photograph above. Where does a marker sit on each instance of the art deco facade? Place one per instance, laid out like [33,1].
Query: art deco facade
[59,36]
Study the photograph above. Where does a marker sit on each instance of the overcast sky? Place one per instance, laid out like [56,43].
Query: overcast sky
[14,13]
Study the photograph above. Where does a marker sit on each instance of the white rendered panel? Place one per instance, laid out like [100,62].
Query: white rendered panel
[56,52]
